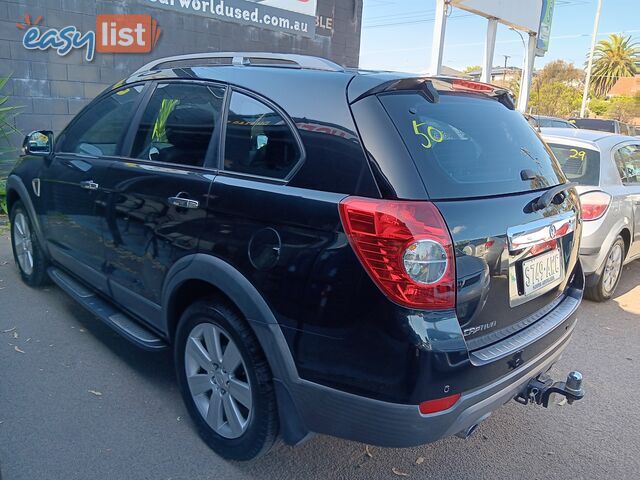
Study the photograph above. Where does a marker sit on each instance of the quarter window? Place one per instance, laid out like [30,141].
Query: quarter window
[178,123]
[258,140]
[99,129]
[627,161]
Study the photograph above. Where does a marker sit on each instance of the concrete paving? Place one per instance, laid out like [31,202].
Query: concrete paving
[77,401]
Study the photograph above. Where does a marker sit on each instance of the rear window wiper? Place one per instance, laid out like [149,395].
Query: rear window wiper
[549,196]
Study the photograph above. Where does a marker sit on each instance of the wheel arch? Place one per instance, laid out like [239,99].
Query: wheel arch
[625,233]
[12,197]
[199,276]
[202,275]
[17,191]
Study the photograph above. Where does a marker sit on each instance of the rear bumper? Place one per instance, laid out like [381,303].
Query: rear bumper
[329,411]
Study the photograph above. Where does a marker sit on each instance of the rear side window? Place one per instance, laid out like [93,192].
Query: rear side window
[99,129]
[470,146]
[178,123]
[580,165]
[258,141]
[627,161]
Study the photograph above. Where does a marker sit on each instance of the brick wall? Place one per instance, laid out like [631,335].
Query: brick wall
[51,89]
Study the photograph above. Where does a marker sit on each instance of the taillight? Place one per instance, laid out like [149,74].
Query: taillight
[406,249]
[594,204]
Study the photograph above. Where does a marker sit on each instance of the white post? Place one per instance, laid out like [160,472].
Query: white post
[489,49]
[585,94]
[527,75]
[437,47]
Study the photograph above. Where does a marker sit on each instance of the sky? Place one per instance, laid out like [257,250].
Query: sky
[397,34]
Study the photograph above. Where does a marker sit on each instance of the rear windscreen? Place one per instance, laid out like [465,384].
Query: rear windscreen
[595,124]
[471,146]
[580,165]
[552,122]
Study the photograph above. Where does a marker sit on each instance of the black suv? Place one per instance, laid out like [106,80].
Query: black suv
[360,254]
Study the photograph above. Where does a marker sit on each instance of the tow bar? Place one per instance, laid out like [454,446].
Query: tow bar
[540,389]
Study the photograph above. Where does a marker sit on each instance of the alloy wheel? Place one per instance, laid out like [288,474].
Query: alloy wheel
[218,380]
[23,243]
[612,269]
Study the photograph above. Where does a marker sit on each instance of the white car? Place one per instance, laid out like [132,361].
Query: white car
[606,167]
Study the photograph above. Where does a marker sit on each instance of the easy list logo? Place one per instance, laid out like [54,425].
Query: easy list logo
[115,34]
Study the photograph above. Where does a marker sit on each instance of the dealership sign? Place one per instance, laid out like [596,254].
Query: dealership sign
[544,32]
[297,17]
[113,34]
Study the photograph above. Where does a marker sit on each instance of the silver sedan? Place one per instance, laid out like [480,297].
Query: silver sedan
[606,167]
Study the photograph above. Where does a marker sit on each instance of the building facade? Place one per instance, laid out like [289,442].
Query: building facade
[59,54]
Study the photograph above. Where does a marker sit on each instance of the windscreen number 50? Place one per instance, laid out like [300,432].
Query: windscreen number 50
[432,135]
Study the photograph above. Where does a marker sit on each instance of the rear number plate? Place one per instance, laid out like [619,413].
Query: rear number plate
[540,271]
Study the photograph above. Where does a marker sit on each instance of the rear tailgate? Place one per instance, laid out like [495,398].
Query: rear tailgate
[484,167]
[513,265]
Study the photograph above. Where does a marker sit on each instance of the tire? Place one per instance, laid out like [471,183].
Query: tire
[252,428]
[609,279]
[30,259]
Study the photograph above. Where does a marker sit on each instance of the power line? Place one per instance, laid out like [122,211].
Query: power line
[428,20]
[428,16]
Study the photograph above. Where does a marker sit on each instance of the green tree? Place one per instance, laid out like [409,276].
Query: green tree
[561,71]
[598,106]
[613,58]
[471,68]
[556,90]
[7,116]
[623,108]
[555,99]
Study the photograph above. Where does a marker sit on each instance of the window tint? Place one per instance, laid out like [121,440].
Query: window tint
[470,146]
[258,141]
[177,124]
[626,129]
[627,161]
[580,165]
[595,124]
[100,128]
[552,122]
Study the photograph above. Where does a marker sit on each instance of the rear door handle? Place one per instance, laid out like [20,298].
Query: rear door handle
[183,202]
[89,185]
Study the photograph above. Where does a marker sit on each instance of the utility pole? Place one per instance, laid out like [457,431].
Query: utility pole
[489,49]
[504,72]
[437,46]
[525,87]
[585,94]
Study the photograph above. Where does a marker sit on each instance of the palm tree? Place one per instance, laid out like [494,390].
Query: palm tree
[613,58]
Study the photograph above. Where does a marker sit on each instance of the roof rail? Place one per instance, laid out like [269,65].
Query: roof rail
[247,59]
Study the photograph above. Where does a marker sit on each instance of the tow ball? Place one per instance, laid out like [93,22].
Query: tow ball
[539,390]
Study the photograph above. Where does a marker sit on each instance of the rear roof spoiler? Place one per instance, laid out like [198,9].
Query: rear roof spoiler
[430,87]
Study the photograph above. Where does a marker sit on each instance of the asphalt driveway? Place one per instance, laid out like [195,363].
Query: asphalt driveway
[77,401]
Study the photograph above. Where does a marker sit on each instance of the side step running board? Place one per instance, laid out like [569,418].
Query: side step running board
[107,312]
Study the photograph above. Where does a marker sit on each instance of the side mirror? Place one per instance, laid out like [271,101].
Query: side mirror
[38,143]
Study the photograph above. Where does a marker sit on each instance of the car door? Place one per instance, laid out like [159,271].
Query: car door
[71,183]
[156,197]
[627,159]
